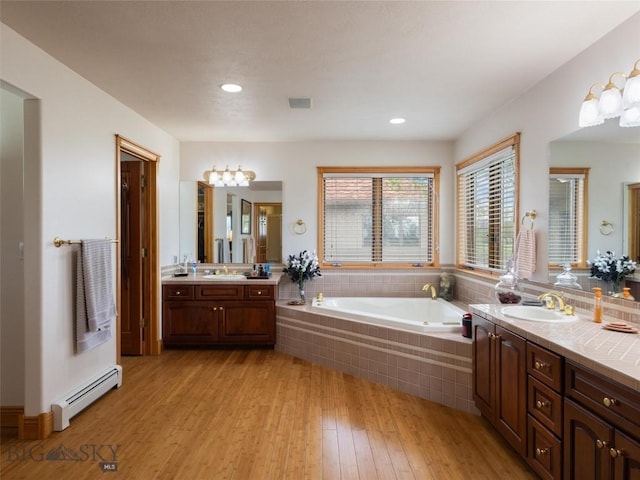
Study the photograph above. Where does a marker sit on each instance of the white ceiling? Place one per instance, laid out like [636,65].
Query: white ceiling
[442,65]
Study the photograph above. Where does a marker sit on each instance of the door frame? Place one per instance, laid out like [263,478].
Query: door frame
[151,278]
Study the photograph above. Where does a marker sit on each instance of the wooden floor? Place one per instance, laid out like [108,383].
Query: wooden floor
[260,414]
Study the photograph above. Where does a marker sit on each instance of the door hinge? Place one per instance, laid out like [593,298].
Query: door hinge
[144,252]
[143,181]
[143,322]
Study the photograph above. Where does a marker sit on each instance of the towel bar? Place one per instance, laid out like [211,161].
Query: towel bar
[58,242]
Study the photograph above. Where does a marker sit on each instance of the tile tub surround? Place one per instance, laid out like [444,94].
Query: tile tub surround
[615,355]
[435,367]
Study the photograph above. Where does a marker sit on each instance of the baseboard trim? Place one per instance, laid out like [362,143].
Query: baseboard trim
[35,428]
[10,416]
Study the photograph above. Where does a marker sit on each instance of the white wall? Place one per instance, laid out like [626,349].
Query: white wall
[550,111]
[12,344]
[295,164]
[72,176]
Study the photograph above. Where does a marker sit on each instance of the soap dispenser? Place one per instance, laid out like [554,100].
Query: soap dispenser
[507,289]
[597,308]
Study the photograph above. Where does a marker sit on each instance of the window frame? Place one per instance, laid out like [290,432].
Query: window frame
[575,171]
[513,141]
[409,170]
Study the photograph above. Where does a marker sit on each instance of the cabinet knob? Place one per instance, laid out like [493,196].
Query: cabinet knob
[608,401]
[259,292]
[215,309]
[615,453]
[601,443]
[178,292]
[538,365]
[221,308]
[541,451]
[541,404]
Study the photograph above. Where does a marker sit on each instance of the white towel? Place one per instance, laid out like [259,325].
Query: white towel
[226,252]
[525,253]
[95,306]
[249,250]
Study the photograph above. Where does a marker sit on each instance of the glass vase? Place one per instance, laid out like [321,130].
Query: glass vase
[301,294]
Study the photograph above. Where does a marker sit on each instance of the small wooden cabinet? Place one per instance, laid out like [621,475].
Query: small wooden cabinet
[222,314]
[499,380]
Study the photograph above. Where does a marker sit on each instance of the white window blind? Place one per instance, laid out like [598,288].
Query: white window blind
[378,217]
[566,218]
[487,210]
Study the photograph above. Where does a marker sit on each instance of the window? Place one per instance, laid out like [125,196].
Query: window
[567,214]
[487,206]
[380,216]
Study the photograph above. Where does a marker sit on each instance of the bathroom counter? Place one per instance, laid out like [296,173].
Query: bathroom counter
[199,279]
[613,354]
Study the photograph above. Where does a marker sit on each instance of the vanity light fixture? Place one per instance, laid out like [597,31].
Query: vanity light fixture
[229,178]
[614,101]
[231,87]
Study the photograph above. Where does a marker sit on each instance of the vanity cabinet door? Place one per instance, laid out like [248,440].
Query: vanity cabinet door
[626,457]
[189,323]
[511,385]
[484,377]
[247,322]
[587,440]
[500,380]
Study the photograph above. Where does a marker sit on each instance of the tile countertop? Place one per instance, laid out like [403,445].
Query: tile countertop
[199,279]
[613,354]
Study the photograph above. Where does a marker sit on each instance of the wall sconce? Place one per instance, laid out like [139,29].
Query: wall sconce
[229,178]
[613,102]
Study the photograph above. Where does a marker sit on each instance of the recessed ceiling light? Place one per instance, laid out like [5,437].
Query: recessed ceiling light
[231,87]
[397,121]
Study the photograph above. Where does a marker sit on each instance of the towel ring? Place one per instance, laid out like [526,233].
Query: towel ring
[531,215]
[606,227]
[300,227]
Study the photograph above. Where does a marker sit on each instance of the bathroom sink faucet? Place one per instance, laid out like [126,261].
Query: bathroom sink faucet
[558,298]
[427,287]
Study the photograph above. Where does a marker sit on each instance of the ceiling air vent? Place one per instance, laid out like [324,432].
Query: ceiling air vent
[303,102]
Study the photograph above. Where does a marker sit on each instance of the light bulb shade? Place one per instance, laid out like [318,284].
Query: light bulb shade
[631,94]
[630,117]
[239,176]
[590,113]
[611,102]
[226,176]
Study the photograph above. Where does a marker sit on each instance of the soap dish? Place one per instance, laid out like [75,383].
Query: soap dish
[620,327]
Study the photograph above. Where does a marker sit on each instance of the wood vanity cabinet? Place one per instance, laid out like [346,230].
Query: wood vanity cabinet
[601,427]
[499,380]
[204,314]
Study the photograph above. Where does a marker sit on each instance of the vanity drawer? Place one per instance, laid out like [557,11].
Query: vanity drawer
[613,402]
[220,292]
[545,366]
[545,405]
[260,292]
[177,292]
[544,451]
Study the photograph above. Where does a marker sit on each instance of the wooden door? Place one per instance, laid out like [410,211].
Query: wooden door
[626,455]
[511,388]
[131,287]
[587,441]
[484,391]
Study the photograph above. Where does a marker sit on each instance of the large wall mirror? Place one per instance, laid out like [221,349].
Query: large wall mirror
[213,223]
[607,159]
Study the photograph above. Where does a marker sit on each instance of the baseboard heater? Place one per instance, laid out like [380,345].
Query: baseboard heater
[80,398]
